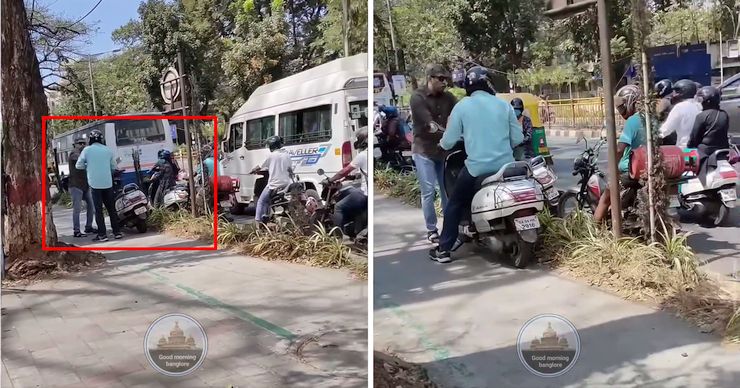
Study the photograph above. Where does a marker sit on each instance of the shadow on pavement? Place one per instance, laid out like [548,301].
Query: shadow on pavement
[653,360]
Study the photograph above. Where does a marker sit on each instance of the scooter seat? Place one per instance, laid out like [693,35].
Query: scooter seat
[508,171]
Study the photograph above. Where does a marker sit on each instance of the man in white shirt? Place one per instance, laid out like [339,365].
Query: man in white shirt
[680,120]
[280,169]
[356,200]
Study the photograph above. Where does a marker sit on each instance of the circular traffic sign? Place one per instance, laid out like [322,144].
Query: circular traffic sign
[170,87]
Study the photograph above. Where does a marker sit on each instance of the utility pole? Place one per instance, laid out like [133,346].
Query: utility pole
[92,86]
[611,127]
[393,34]
[188,140]
[345,24]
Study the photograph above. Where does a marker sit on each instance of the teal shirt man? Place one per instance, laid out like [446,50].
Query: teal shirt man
[99,162]
[634,136]
[489,144]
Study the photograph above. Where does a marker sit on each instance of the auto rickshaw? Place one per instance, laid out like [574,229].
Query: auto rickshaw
[531,110]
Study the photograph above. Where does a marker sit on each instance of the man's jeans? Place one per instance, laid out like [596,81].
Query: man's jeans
[105,197]
[430,174]
[462,196]
[349,207]
[263,205]
[77,197]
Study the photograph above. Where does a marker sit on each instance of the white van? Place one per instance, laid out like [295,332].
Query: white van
[317,113]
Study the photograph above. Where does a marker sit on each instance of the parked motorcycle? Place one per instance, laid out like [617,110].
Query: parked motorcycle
[591,184]
[132,206]
[331,194]
[503,213]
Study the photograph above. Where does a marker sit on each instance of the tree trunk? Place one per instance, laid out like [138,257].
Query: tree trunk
[23,104]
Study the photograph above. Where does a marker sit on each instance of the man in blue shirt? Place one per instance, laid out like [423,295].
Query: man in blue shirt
[98,161]
[633,136]
[490,131]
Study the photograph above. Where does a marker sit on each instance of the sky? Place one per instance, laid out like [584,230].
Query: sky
[107,17]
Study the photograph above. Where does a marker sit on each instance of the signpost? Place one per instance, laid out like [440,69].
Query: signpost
[559,9]
[174,92]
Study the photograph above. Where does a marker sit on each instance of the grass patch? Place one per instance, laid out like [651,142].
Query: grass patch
[665,273]
[288,243]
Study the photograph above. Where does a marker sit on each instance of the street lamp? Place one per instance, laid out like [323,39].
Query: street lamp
[89,67]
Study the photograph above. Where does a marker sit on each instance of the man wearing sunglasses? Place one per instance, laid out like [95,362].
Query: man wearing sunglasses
[431,105]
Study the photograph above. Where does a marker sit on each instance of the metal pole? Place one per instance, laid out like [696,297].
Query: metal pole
[393,34]
[648,128]
[345,25]
[721,61]
[92,86]
[189,141]
[611,128]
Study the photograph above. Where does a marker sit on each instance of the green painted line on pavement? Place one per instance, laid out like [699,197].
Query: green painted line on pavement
[440,353]
[244,315]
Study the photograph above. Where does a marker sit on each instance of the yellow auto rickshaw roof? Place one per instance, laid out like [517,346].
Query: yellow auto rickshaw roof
[531,105]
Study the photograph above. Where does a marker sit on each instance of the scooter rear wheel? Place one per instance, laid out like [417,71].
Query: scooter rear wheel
[522,253]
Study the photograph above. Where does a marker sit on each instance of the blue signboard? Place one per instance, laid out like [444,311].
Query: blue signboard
[690,62]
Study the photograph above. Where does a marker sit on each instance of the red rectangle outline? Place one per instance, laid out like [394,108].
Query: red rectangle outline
[44,119]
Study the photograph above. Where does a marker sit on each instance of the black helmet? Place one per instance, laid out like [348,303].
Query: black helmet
[684,89]
[79,140]
[159,154]
[96,136]
[361,142]
[517,103]
[274,142]
[166,155]
[478,78]
[710,97]
[663,88]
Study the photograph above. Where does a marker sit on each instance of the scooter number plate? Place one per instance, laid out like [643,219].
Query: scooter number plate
[139,210]
[527,223]
[406,153]
[728,195]
[551,193]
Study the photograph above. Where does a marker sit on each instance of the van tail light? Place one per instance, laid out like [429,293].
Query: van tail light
[346,153]
[235,183]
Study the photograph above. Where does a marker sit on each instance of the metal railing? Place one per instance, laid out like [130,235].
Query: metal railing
[581,113]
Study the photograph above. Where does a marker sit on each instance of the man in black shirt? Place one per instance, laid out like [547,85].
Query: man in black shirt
[80,190]
[430,105]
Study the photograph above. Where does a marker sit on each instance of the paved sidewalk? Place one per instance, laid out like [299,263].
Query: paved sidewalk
[461,320]
[88,330]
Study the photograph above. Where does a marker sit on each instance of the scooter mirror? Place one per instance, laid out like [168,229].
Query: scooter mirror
[320,171]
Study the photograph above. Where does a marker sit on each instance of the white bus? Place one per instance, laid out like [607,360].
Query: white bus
[316,112]
[383,90]
[124,137]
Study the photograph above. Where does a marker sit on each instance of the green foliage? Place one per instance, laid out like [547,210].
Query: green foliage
[683,25]
[331,42]
[424,31]
[499,31]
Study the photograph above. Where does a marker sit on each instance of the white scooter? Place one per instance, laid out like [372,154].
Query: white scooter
[132,205]
[713,200]
[503,213]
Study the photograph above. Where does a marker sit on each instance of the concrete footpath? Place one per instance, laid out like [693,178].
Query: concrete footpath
[269,324]
[461,320]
